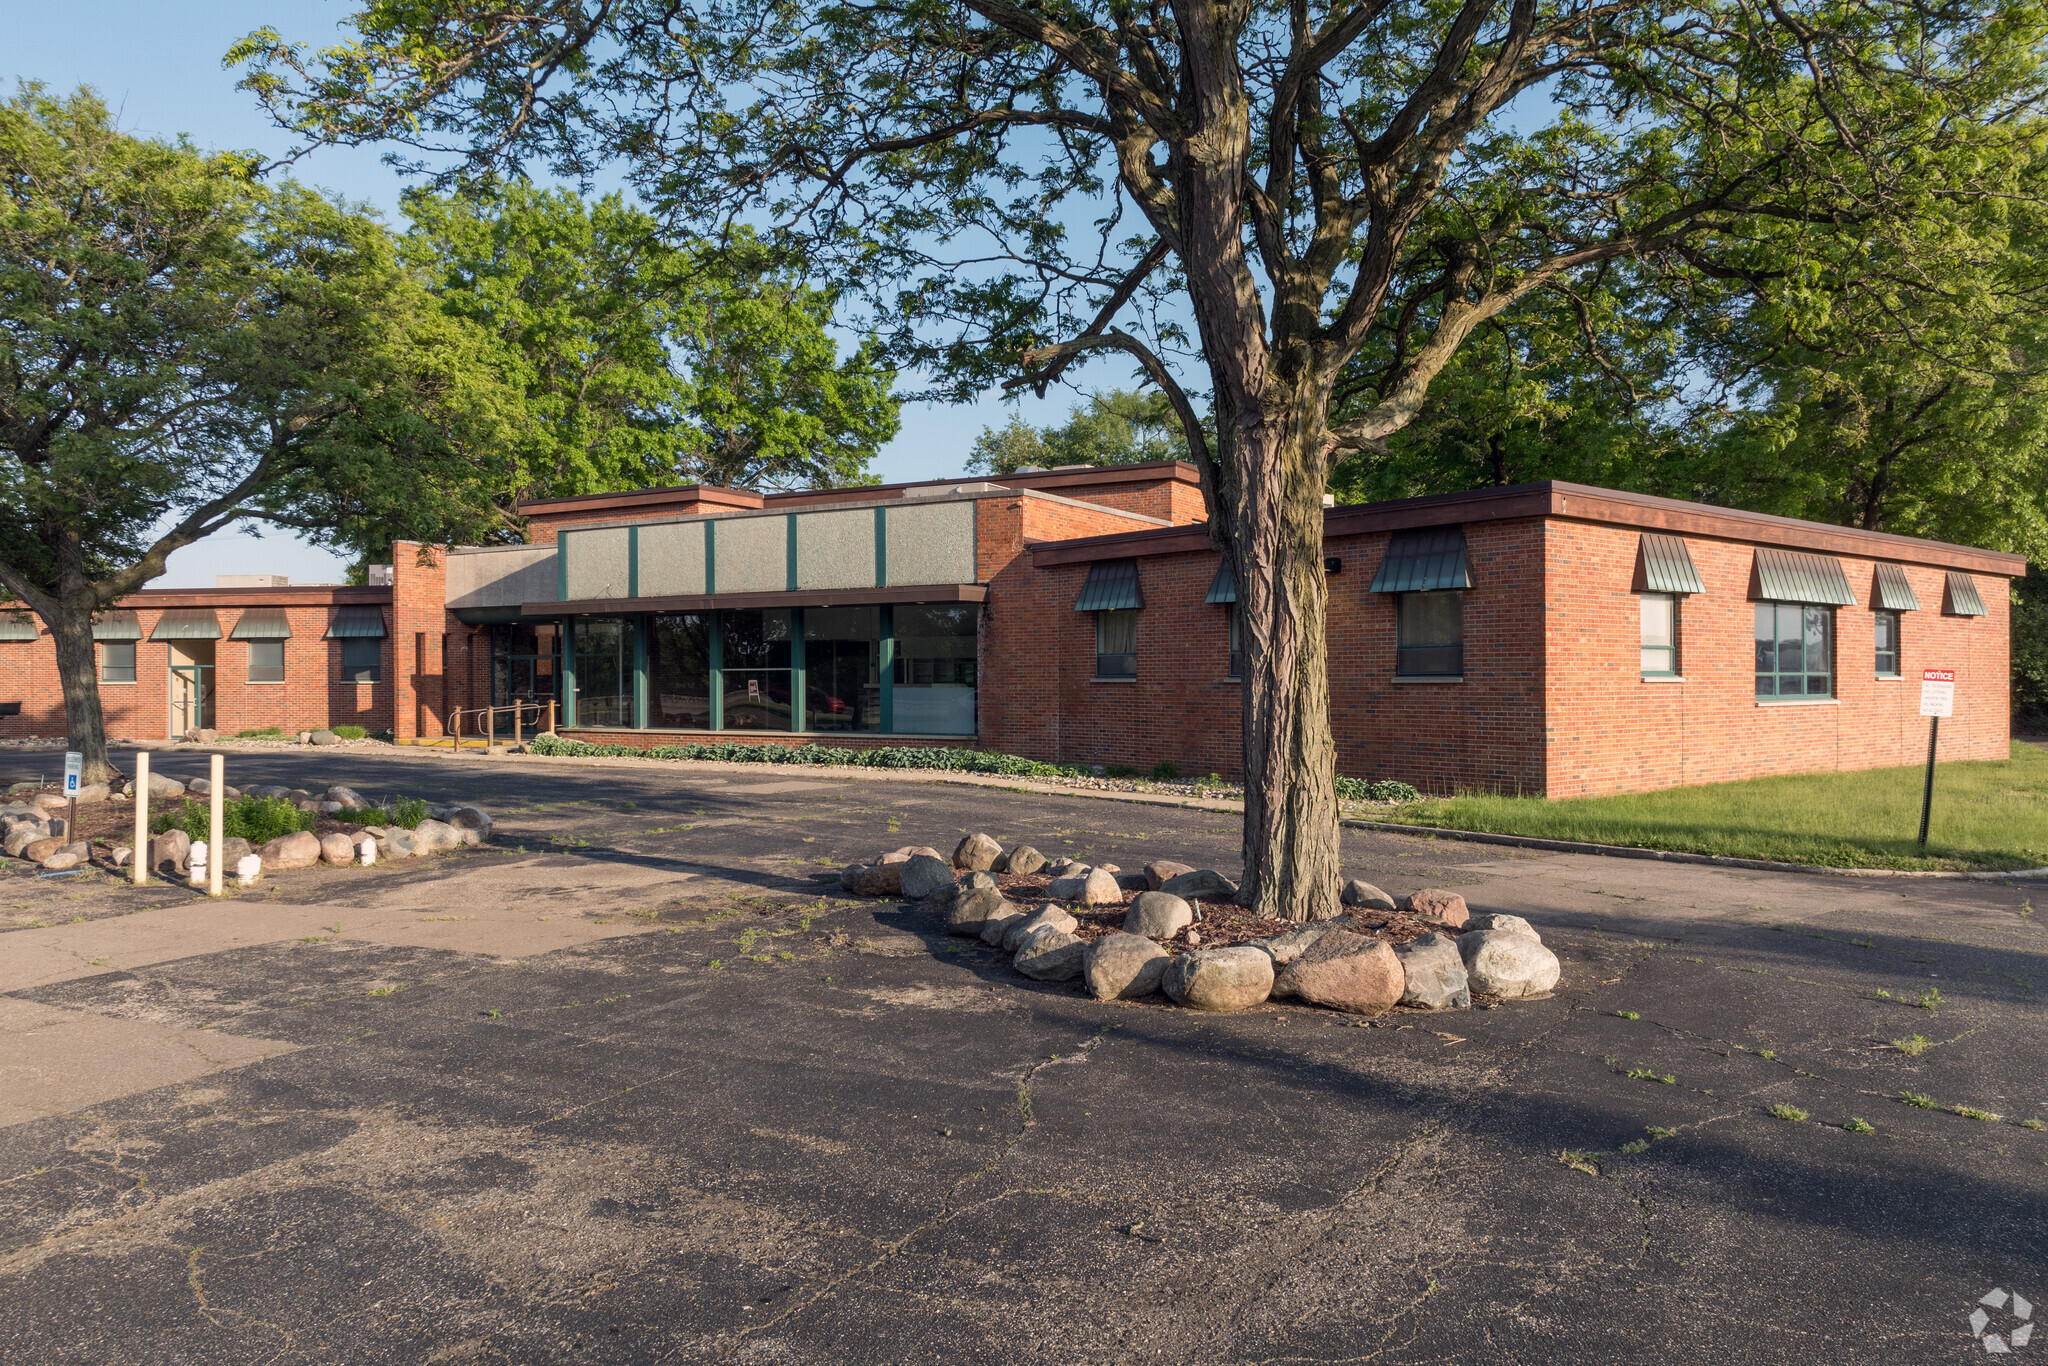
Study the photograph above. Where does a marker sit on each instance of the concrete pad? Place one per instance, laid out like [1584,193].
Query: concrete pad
[55,1061]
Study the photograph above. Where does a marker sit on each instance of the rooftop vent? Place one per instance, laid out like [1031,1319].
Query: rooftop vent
[252,581]
[381,576]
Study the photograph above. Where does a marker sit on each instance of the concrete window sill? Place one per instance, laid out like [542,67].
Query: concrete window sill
[263,682]
[106,683]
[1890,678]
[1799,701]
[1397,678]
[1112,680]
[1664,678]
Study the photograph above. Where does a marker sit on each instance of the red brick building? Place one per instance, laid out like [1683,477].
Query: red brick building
[1544,638]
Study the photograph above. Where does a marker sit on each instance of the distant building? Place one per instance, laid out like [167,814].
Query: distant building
[1543,638]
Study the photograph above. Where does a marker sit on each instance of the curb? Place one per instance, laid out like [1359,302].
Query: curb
[1674,856]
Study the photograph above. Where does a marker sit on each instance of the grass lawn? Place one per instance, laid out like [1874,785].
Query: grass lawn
[1986,816]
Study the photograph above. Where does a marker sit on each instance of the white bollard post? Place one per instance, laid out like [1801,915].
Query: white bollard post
[141,860]
[195,863]
[366,852]
[217,818]
[248,870]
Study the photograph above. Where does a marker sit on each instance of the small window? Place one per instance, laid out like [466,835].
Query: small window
[117,661]
[1795,650]
[1116,643]
[1430,639]
[1236,642]
[1888,644]
[362,661]
[1660,634]
[266,661]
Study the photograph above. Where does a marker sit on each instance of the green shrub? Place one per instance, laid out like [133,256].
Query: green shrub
[387,736]
[947,760]
[349,732]
[363,815]
[260,733]
[1165,772]
[1121,771]
[1379,790]
[255,819]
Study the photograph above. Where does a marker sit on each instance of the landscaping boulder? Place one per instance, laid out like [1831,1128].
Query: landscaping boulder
[1433,974]
[52,801]
[1219,979]
[1498,921]
[1123,967]
[1096,887]
[1356,973]
[1063,867]
[1507,962]
[95,792]
[203,787]
[977,852]
[168,789]
[122,855]
[43,848]
[267,790]
[435,837]
[923,875]
[1050,955]
[1285,948]
[873,879]
[323,737]
[1133,882]
[466,818]
[1023,861]
[396,843]
[974,908]
[1158,871]
[300,849]
[21,835]
[1015,932]
[337,849]
[170,850]
[233,849]
[66,858]
[1438,904]
[347,796]
[1364,894]
[996,928]
[1158,915]
[907,853]
[1201,883]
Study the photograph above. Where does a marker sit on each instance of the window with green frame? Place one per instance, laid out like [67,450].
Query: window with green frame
[117,661]
[1660,634]
[1887,631]
[1795,650]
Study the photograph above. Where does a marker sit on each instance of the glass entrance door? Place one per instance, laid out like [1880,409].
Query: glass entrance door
[191,697]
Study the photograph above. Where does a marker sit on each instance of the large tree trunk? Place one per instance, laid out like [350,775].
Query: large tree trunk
[84,722]
[1291,856]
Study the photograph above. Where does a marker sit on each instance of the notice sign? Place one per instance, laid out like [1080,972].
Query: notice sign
[74,770]
[1937,692]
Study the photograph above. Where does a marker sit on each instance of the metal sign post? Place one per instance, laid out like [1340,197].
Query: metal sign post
[1937,699]
[74,778]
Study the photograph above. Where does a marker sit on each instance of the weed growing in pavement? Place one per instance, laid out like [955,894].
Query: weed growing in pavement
[494,1014]
[1883,995]
[1645,1074]
[1766,1053]
[1913,1045]
[1627,1015]
[387,991]
[1578,1162]
[2032,1124]
[1636,1145]
[1791,1114]
[1930,999]
[1860,1126]
[1915,1099]
[1659,1132]
[1970,1112]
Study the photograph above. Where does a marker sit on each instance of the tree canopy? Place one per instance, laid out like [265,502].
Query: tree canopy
[1266,196]
[1119,427]
[183,349]
[644,362]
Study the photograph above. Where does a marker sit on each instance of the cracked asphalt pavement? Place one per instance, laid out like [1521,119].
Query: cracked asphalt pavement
[633,1084]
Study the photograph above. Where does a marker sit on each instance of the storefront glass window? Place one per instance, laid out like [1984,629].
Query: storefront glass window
[843,668]
[604,672]
[756,661]
[526,666]
[935,683]
[679,671]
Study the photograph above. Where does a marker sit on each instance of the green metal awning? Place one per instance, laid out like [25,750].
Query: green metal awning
[1112,586]
[1664,565]
[1791,576]
[1422,561]
[263,623]
[1963,600]
[17,626]
[118,625]
[1894,594]
[187,623]
[357,623]
[1222,588]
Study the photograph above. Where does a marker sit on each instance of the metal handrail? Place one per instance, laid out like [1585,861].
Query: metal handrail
[486,721]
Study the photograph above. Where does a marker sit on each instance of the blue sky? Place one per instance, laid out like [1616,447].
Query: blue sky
[159,66]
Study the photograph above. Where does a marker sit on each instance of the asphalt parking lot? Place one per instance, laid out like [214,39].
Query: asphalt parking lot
[633,1084]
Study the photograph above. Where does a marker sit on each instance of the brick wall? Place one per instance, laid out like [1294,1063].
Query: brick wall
[1618,732]
[419,616]
[311,697]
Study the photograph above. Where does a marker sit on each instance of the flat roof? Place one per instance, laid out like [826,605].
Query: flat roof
[1569,502]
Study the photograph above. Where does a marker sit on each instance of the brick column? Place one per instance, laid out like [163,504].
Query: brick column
[419,597]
